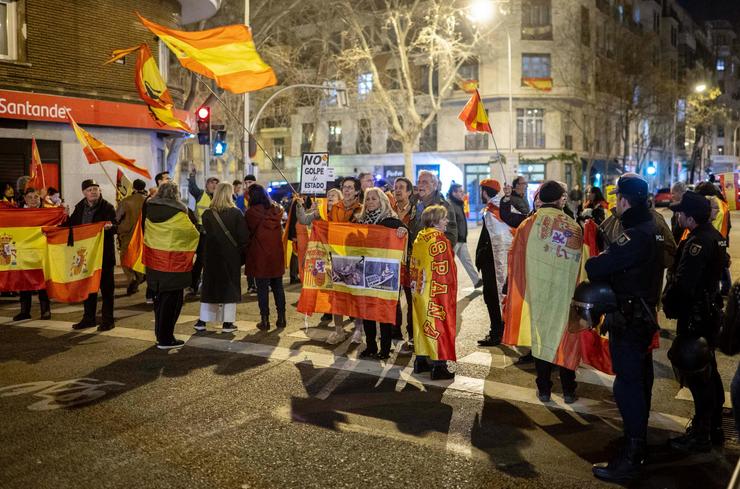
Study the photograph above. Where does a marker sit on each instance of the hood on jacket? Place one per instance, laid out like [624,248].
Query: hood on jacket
[159,210]
[268,218]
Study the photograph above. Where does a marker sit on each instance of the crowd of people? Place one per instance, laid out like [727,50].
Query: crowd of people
[238,226]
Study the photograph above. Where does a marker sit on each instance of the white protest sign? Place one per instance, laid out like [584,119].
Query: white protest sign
[314,173]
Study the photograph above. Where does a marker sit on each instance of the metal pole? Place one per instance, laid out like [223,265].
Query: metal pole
[673,143]
[241,123]
[511,99]
[248,167]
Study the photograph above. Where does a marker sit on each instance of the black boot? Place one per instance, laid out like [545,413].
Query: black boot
[440,372]
[25,307]
[281,321]
[421,365]
[264,323]
[697,439]
[626,465]
[85,323]
[45,309]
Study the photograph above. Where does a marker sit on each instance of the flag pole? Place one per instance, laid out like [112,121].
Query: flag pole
[490,131]
[241,123]
[110,179]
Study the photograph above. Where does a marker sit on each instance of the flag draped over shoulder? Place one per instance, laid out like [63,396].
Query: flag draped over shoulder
[97,152]
[225,54]
[544,265]
[37,181]
[474,115]
[132,257]
[152,88]
[352,270]
[23,247]
[169,246]
[74,263]
[434,286]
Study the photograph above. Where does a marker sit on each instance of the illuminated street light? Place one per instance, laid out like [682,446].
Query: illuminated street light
[481,11]
[700,88]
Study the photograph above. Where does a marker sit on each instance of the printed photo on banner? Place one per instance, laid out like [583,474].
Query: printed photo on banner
[382,274]
[348,270]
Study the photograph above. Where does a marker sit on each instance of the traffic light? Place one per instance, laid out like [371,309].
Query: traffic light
[219,144]
[203,117]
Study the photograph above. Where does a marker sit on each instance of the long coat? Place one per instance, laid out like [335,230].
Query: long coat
[222,260]
[265,252]
[104,212]
[128,212]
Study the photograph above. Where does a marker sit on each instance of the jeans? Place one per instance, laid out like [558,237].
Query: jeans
[544,373]
[107,288]
[490,296]
[461,251]
[263,291]
[633,365]
[26,295]
[167,307]
[735,394]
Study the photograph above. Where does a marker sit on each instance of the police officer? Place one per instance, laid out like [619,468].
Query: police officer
[692,297]
[633,267]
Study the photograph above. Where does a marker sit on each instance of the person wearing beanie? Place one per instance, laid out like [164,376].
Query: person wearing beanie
[491,258]
[692,297]
[94,208]
[127,216]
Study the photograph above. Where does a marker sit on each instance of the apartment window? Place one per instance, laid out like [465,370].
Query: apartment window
[364,137]
[535,66]
[278,147]
[428,138]
[469,70]
[530,128]
[334,144]
[392,145]
[674,36]
[585,26]
[364,85]
[532,171]
[425,81]
[8,30]
[536,20]
[164,60]
[476,141]
[720,64]
[568,130]
[584,73]
[394,79]
[656,22]
[720,131]
[720,150]
[307,133]
[331,96]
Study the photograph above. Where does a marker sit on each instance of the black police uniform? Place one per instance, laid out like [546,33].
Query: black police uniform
[692,297]
[633,266]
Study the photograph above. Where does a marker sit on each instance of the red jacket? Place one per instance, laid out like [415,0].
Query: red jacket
[265,251]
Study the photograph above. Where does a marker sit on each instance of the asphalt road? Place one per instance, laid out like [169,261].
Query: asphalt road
[269,409]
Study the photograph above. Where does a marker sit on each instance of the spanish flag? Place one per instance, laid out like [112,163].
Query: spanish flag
[23,246]
[169,246]
[544,267]
[352,270]
[434,287]
[74,261]
[37,180]
[225,54]
[474,115]
[152,89]
[132,257]
[97,152]
[541,84]
[123,186]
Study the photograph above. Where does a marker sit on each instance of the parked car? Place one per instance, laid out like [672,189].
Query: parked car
[662,197]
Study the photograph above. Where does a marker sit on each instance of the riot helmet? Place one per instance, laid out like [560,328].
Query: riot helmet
[591,301]
[690,355]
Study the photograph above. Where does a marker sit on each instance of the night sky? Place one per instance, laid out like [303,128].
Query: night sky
[714,9]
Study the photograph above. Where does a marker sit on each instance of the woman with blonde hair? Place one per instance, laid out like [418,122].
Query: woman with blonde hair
[376,209]
[225,242]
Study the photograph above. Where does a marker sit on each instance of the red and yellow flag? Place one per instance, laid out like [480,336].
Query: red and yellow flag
[225,54]
[132,257]
[541,84]
[152,88]
[474,115]
[23,246]
[434,287]
[352,270]
[169,246]
[37,180]
[73,266]
[124,186]
[97,152]
[468,86]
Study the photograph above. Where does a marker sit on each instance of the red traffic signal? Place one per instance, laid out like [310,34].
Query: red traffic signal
[203,118]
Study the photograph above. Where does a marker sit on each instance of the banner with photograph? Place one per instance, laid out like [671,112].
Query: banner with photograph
[353,270]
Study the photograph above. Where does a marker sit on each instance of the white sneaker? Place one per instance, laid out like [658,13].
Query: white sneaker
[149,301]
[199,326]
[335,338]
[357,335]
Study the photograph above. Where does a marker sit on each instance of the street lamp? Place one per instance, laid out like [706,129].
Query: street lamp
[700,88]
[481,11]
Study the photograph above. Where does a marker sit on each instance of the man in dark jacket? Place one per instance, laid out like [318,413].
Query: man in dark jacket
[456,196]
[127,216]
[94,208]
[429,194]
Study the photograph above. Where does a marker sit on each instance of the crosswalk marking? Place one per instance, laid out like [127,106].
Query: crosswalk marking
[461,383]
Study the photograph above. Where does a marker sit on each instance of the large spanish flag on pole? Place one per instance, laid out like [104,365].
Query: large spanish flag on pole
[74,261]
[352,270]
[23,246]
[152,88]
[474,115]
[434,287]
[98,152]
[169,246]
[544,266]
[37,181]
[225,54]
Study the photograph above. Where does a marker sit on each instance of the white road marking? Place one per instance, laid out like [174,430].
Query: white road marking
[684,394]
[461,383]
